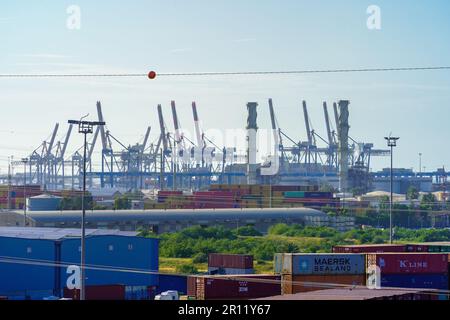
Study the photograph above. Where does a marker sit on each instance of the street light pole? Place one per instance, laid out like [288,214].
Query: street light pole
[25,161]
[84,127]
[420,163]
[391,142]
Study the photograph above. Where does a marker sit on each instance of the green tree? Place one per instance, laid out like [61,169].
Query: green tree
[357,191]
[327,188]
[412,193]
[122,203]
[74,203]
[429,202]
[248,231]
[186,269]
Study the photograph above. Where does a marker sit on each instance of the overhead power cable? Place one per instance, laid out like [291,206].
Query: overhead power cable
[237,73]
[323,285]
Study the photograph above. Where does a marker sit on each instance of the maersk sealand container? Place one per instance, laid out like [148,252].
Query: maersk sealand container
[27,270]
[323,264]
[130,261]
[277,263]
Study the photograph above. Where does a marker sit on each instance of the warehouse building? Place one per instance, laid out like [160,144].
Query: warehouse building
[34,261]
[161,221]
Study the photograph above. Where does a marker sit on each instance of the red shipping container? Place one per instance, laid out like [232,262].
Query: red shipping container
[416,248]
[237,287]
[398,263]
[169,192]
[237,261]
[105,292]
[192,286]
[376,248]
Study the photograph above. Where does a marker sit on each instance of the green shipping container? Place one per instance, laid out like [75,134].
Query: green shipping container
[294,194]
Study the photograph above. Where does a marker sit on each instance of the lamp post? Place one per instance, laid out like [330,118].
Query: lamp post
[420,163]
[25,161]
[391,142]
[84,127]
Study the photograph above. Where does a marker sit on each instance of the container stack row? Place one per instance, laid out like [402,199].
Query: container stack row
[17,195]
[245,196]
[311,272]
[230,264]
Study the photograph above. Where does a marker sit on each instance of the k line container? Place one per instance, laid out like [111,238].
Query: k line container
[236,261]
[291,284]
[416,281]
[401,263]
[323,264]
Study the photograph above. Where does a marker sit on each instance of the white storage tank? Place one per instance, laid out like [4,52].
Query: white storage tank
[44,202]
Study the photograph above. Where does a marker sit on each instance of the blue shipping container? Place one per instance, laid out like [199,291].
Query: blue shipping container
[21,280]
[323,264]
[116,252]
[416,281]
[172,282]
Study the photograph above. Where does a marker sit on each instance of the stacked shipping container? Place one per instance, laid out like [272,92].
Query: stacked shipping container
[245,196]
[230,264]
[16,195]
[233,287]
[311,272]
[386,248]
[410,270]
[112,292]
[174,282]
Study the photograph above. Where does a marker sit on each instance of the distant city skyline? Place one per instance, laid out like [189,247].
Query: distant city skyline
[200,35]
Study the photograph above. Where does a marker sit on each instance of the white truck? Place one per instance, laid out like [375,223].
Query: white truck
[168,295]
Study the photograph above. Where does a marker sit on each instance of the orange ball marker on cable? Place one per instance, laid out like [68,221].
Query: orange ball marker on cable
[152,75]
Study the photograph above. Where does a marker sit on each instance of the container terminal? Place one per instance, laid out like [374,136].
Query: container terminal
[173,161]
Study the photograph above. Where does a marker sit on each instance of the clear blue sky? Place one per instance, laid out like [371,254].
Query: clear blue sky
[178,36]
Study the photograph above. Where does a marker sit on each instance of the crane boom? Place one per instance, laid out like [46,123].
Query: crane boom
[147,134]
[198,132]
[336,115]
[275,130]
[102,129]
[176,123]
[327,123]
[66,141]
[162,128]
[92,146]
[308,129]
[52,140]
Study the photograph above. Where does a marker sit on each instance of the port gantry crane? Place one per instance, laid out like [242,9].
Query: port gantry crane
[309,156]
[172,159]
